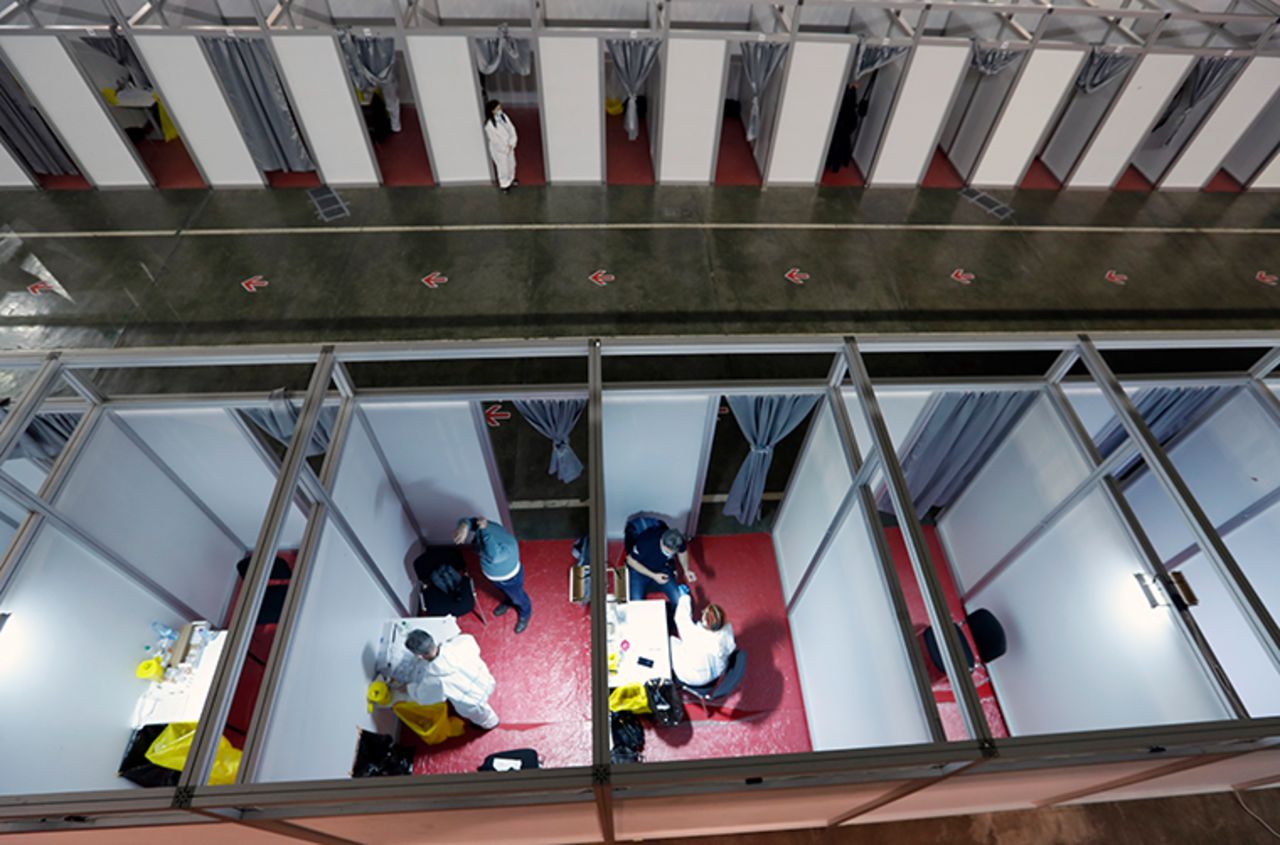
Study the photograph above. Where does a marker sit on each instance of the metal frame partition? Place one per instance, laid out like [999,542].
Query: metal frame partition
[876,780]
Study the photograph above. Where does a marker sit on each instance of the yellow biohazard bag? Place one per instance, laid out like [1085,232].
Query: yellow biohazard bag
[432,722]
[171,748]
[631,698]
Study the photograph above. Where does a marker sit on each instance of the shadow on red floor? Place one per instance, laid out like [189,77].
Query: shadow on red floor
[846,177]
[543,675]
[941,173]
[72,182]
[402,157]
[170,164]
[530,169]
[735,163]
[1223,183]
[1039,178]
[943,694]
[288,179]
[1133,180]
[627,162]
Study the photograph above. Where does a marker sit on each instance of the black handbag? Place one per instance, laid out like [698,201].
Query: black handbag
[664,702]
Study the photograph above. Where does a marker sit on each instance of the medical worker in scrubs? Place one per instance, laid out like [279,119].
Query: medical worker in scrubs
[501,134]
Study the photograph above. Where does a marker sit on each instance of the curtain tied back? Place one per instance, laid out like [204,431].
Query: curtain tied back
[765,421]
[759,61]
[633,60]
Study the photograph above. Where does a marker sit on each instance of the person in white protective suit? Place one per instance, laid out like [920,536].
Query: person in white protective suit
[501,134]
[454,669]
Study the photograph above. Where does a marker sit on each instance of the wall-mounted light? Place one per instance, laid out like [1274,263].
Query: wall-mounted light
[1173,590]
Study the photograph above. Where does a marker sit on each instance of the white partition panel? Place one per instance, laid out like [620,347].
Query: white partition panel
[570,73]
[365,494]
[819,482]
[320,707]
[1234,115]
[1151,84]
[54,82]
[70,610]
[11,173]
[692,89]
[437,454]
[213,456]
[900,407]
[446,81]
[815,84]
[181,71]
[1086,650]
[854,671]
[1047,78]
[1270,175]
[119,495]
[1026,477]
[653,455]
[320,89]
[932,79]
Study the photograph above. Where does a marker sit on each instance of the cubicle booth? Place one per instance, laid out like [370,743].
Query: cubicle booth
[509,70]
[1247,162]
[751,99]
[633,74]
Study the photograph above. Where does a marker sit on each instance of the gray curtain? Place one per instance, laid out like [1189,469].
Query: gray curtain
[504,53]
[555,419]
[45,437]
[957,436]
[1167,411]
[872,57]
[1101,69]
[989,61]
[280,418]
[256,94]
[633,59]
[372,64]
[117,47]
[1208,76]
[764,421]
[26,133]
[759,61]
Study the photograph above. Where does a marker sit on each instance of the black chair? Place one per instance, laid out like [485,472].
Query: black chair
[715,693]
[433,601]
[988,635]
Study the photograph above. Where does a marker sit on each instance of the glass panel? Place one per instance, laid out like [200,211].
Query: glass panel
[47,435]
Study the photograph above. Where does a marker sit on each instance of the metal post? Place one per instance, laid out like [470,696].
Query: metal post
[944,628]
[214,714]
[601,768]
[24,410]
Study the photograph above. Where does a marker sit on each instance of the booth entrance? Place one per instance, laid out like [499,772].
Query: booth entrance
[35,145]
[751,102]
[631,119]
[513,81]
[1251,154]
[388,109]
[972,117]
[1099,84]
[877,88]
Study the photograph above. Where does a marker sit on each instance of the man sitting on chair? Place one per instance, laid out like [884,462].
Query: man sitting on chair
[649,563]
[701,653]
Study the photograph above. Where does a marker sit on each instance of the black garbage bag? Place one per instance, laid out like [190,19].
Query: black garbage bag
[378,755]
[135,766]
[517,759]
[664,701]
[628,737]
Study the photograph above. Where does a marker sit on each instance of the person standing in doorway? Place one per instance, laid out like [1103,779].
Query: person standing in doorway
[500,561]
[501,134]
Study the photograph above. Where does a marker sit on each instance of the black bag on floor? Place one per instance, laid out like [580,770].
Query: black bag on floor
[664,701]
[135,766]
[628,737]
[378,755]
[524,758]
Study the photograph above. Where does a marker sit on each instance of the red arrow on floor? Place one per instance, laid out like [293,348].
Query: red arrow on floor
[252,283]
[494,415]
[38,288]
[434,279]
[601,277]
[795,277]
[1267,278]
[959,275]
[1116,278]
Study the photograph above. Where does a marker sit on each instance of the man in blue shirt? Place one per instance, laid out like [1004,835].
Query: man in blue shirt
[500,561]
[649,561]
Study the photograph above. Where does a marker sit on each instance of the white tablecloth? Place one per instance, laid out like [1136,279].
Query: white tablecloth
[181,700]
[642,627]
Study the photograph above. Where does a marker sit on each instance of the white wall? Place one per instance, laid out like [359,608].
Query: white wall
[1047,78]
[815,85]
[653,455]
[52,79]
[446,82]
[437,455]
[118,495]
[854,670]
[11,173]
[1269,177]
[1086,650]
[1239,107]
[320,707]
[181,72]
[1153,81]
[369,502]
[879,104]
[1026,477]
[212,456]
[901,408]
[71,729]
[692,87]
[321,91]
[1256,145]
[569,71]
[932,79]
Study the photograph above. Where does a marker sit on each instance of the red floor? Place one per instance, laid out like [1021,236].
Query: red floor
[402,157]
[1223,183]
[846,177]
[170,164]
[627,162]
[74,182]
[530,169]
[735,164]
[941,174]
[948,710]
[1039,178]
[287,179]
[1132,180]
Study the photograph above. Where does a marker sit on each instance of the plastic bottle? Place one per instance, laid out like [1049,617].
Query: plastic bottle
[164,632]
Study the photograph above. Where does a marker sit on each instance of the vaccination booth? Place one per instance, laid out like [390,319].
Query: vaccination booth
[1047,585]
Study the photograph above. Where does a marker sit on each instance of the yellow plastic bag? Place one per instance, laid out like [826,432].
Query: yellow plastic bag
[171,748]
[432,722]
[631,698]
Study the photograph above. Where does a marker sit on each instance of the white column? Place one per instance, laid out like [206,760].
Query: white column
[569,71]
[447,84]
[815,85]
[923,104]
[693,87]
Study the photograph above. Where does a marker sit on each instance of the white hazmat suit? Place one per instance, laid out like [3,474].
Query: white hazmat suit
[459,675]
[501,133]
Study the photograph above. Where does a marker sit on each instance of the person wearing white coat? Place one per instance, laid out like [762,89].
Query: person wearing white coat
[456,670]
[501,134]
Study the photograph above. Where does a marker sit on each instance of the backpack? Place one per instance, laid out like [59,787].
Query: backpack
[664,702]
[628,738]
[446,579]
